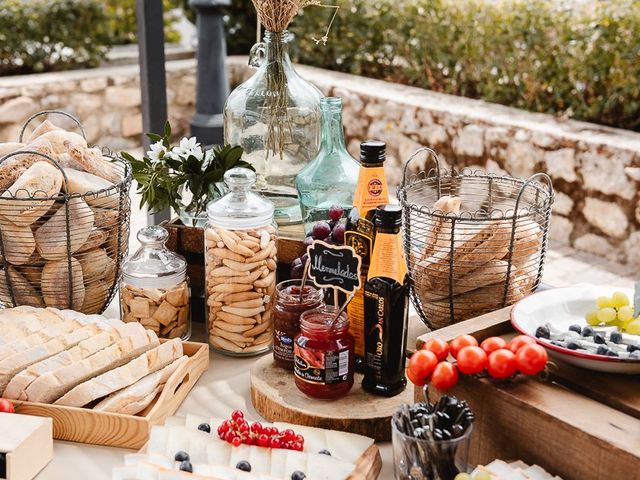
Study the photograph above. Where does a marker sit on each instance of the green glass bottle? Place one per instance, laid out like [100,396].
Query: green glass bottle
[330,179]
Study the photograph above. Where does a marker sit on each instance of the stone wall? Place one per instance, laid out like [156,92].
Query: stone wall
[595,170]
[106,100]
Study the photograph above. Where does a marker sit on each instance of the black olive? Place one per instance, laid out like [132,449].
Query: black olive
[181,456]
[244,466]
[599,338]
[587,331]
[298,475]
[205,427]
[186,466]
[575,328]
[324,451]
[543,332]
[602,350]
[616,337]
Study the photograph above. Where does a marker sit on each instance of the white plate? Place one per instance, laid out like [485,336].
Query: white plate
[563,307]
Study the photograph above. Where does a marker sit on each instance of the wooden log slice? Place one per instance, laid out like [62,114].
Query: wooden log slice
[275,396]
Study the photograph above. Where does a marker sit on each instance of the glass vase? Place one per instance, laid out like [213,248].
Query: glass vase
[331,178]
[275,117]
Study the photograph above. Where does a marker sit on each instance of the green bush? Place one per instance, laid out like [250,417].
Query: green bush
[45,35]
[578,60]
[122,20]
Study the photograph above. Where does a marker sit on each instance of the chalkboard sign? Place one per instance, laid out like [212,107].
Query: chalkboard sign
[333,266]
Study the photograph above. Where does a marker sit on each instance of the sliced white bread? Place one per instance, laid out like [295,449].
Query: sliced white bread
[38,338]
[135,398]
[17,362]
[27,320]
[16,389]
[52,385]
[124,376]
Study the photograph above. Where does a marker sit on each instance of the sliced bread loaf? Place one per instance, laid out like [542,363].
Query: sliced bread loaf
[38,338]
[52,385]
[124,376]
[19,383]
[135,398]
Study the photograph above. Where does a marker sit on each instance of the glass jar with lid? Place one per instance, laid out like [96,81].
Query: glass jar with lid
[240,268]
[154,289]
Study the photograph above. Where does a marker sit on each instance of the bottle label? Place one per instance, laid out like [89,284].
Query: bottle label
[283,346]
[355,312]
[371,190]
[318,367]
[388,258]
[376,311]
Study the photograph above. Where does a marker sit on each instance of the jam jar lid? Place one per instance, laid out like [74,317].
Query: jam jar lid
[153,265]
[240,208]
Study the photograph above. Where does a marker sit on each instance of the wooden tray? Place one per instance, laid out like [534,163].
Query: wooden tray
[578,424]
[127,431]
[275,396]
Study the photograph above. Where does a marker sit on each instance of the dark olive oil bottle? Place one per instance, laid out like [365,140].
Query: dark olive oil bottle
[386,307]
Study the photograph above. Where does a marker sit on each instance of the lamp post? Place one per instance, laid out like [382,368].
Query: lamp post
[212,87]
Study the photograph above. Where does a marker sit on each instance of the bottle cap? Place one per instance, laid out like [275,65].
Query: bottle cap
[372,151]
[388,216]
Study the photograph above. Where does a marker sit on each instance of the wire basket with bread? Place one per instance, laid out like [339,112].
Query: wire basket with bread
[64,220]
[475,242]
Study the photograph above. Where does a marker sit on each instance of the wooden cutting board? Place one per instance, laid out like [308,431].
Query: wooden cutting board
[276,397]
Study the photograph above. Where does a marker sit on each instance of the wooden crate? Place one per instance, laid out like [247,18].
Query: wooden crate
[577,424]
[127,431]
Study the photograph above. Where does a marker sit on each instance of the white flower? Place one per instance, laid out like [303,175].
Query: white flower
[187,147]
[157,152]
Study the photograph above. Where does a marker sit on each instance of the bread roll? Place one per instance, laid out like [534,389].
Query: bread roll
[23,291]
[92,161]
[63,141]
[41,180]
[96,238]
[83,183]
[96,264]
[96,294]
[44,127]
[18,242]
[51,238]
[9,147]
[55,284]
[105,218]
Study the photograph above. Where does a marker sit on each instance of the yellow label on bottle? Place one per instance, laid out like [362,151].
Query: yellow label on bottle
[371,190]
[355,312]
[388,258]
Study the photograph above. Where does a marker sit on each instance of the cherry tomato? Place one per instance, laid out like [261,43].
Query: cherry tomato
[460,342]
[444,376]
[531,359]
[502,363]
[472,360]
[6,406]
[520,341]
[417,381]
[439,347]
[422,363]
[492,344]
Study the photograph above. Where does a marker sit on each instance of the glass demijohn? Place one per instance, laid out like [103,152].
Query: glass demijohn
[331,178]
[155,289]
[275,117]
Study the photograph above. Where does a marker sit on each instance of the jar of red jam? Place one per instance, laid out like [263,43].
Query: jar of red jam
[289,305]
[324,354]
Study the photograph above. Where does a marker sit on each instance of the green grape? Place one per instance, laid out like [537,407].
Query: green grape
[482,476]
[616,323]
[607,315]
[634,327]
[625,313]
[462,476]
[619,299]
[604,302]
[592,318]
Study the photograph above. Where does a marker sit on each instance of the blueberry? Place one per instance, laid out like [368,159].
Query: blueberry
[575,328]
[616,337]
[611,353]
[543,332]
[324,451]
[244,466]
[186,466]
[599,338]
[298,475]
[632,348]
[602,350]
[573,346]
[181,456]
[205,427]
[587,331]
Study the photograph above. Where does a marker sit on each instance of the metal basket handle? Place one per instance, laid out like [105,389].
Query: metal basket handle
[47,112]
[529,181]
[436,161]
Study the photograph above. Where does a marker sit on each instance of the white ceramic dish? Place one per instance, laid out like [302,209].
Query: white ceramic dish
[562,307]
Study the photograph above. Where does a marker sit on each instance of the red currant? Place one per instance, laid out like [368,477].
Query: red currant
[243,427]
[299,438]
[236,441]
[289,434]
[256,427]
[263,440]
[297,446]
[229,436]
[275,443]
[237,415]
